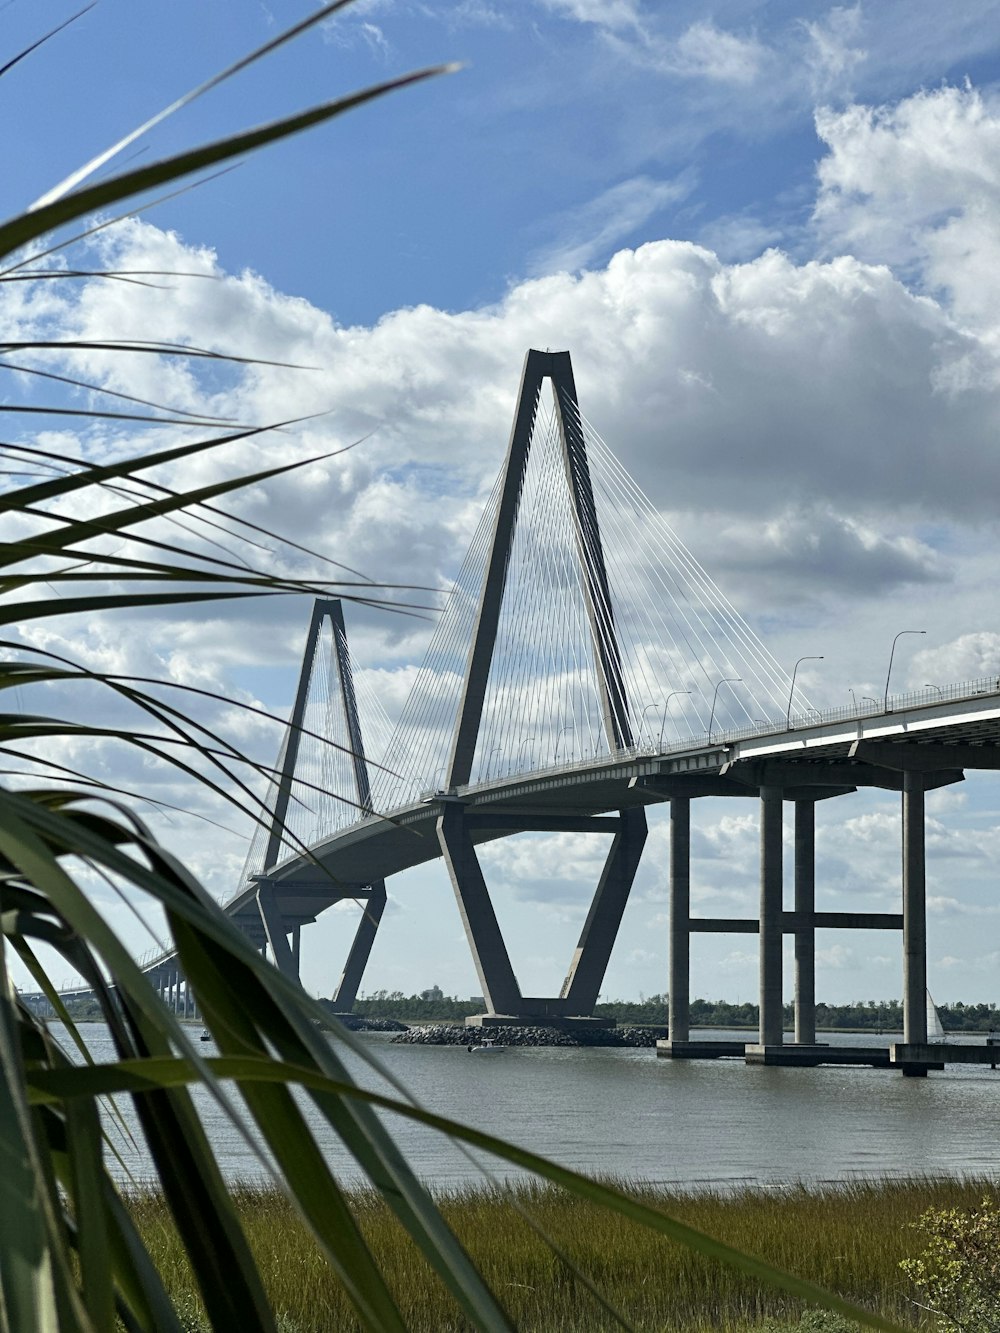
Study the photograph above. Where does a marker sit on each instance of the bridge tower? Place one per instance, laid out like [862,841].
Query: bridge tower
[282,931]
[457,827]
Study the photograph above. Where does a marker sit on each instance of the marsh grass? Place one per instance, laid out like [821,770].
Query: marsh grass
[849,1238]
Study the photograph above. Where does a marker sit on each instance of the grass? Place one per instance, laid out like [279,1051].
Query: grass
[850,1238]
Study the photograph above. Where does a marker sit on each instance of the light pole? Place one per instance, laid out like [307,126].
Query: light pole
[666,706]
[568,727]
[520,749]
[929,685]
[854,698]
[726,680]
[892,651]
[791,692]
[497,749]
[643,718]
[867,699]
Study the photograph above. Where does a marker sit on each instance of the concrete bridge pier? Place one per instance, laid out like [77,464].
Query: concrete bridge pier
[277,930]
[346,994]
[679,965]
[771,1032]
[489,952]
[914,914]
[574,1006]
[805,936]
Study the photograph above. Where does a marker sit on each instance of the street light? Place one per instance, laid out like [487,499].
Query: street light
[497,749]
[888,674]
[726,680]
[666,706]
[791,692]
[569,727]
[929,685]
[527,741]
[643,718]
[867,699]
[854,698]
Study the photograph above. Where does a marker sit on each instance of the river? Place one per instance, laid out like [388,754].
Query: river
[684,1124]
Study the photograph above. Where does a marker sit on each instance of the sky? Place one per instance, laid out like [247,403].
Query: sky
[769,235]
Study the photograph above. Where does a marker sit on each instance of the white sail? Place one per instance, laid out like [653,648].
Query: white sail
[935,1031]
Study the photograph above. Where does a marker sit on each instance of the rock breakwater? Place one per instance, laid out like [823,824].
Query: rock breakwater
[451,1034]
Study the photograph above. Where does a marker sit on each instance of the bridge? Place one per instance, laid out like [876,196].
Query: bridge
[585,668]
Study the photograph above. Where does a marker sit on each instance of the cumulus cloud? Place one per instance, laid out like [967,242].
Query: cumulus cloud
[973,656]
[820,548]
[917,184]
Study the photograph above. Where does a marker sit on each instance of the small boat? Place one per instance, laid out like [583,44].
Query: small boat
[935,1028]
[205,1035]
[487,1046]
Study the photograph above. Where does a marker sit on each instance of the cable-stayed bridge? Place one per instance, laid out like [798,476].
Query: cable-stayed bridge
[584,667]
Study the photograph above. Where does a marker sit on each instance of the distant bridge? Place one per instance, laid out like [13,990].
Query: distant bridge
[544,704]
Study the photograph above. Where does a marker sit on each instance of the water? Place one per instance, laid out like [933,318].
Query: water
[686,1124]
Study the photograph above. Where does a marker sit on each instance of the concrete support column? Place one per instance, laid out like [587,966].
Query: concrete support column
[679,966]
[805,939]
[489,953]
[276,930]
[914,912]
[346,994]
[771,906]
[590,959]
[297,947]
[187,999]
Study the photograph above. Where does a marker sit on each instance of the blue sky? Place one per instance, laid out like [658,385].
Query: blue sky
[767,232]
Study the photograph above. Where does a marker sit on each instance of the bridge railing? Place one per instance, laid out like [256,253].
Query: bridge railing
[866,707]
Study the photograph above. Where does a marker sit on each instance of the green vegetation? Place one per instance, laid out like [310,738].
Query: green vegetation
[958,1272]
[851,1239]
[431,1006]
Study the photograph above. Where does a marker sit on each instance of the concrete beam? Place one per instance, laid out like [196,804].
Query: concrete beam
[791,922]
[792,773]
[667,787]
[544,823]
[926,758]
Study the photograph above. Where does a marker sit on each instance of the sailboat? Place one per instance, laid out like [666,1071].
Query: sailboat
[935,1029]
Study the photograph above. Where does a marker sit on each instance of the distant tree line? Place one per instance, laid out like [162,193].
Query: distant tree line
[433,1005]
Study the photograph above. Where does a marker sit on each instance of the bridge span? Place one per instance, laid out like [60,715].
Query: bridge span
[558,639]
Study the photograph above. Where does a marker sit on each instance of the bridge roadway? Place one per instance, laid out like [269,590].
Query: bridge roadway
[914,745]
[941,736]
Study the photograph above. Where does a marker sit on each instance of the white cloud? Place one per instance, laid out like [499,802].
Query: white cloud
[611,14]
[918,183]
[974,656]
[592,230]
[705,51]
[830,55]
